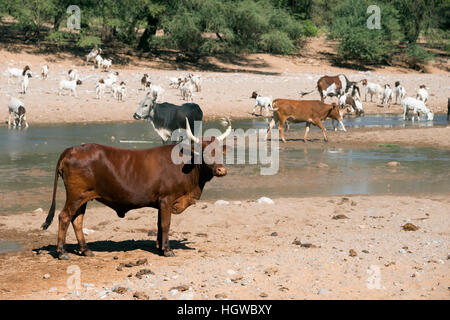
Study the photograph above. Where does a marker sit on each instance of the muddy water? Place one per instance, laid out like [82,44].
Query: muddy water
[28,159]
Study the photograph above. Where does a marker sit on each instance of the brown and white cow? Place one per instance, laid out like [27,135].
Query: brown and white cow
[125,179]
[309,111]
[333,86]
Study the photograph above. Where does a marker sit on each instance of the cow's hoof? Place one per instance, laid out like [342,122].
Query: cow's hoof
[168,253]
[63,256]
[87,253]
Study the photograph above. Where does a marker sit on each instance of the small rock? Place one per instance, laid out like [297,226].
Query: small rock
[365,251]
[263,295]
[221,203]
[352,253]
[204,207]
[144,272]
[46,276]
[323,291]
[410,227]
[271,271]
[340,216]
[87,231]
[274,234]
[181,288]
[402,251]
[115,257]
[53,289]
[38,210]
[119,290]
[140,296]
[265,200]
[173,292]
[103,293]
[221,296]
[88,285]
[152,233]
[141,262]
[231,272]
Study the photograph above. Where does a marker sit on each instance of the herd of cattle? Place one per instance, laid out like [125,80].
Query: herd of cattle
[126,179]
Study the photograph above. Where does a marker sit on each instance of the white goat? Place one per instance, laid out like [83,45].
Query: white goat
[93,54]
[422,93]
[69,85]
[73,74]
[372,89]
[99,61]
[399,91]
[100,88]
[196,81]
[44,71]
[119,90]
[175,82]
[17,110]
[387,95]
[261,102]
[106,64]
[24,83]
[155,91]
[187,89]
[417,106]
[18,73]
[145,81]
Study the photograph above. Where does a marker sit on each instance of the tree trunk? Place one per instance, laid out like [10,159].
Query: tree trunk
[150,30]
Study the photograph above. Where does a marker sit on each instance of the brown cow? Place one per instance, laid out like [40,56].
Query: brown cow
[125,179]
[309,111]
[333,86]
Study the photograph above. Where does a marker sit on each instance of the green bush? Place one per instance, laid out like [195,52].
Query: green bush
[357,42]
[183,32]
[88,41]
[59,38]
[277,42]
[416,56]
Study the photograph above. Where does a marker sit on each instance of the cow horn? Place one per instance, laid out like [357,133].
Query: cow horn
[226,133]
[189,132]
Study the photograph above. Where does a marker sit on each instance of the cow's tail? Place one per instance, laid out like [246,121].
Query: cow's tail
[51,212]
[304,93]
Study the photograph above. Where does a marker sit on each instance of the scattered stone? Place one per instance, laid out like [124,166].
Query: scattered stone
[231,271]
[141,262]
[274,234]
[152,233]
[410,227]
[352,253]
[236,279]
[303,245]
[340,216]
[38,210]
[204,207]
[402,251]
[283,288]
[271,271]
[116,258]
[390,264]
[365,251]
[221,296]
[88,285]
[140,296]
[53,289]
[201,234]
[144,272]
[263,295]
[221,203]
[173,292]
[181,288]
[323,291]
[265,200]
[119,290]
[46,276]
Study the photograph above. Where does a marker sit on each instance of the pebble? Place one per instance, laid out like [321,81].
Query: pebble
[87,231]
[88,285]
[263,295]
[46,276]
[140,296]
[38,210]
[144,272]
[186,296]
[103,293]
[183,287]
[402,251]
[53,289]
[352,253]
[221,296]
[410,227]
[231,272]
[173,292]
[323,291]
[221,203]
[119,289]
[265,200]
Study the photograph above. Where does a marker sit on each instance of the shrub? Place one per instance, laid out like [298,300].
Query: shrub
[88,41]
[416,56]
[277,42]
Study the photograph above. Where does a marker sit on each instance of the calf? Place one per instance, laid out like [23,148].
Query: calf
[261,102]
[309,111]
[17,110]
[126,179]
[330,86]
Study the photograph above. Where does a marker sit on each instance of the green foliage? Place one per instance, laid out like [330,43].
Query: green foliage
[359,43]
[59,38]
[417,56]
[88,41]
[277,42]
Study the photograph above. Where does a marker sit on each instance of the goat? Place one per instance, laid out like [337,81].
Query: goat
[145,81]
[25,82]
[17,110]
[187,89]
[69,85]
[387,95]
[372,89]
[119,90]
[422,93]
[175,82]
[417,106]
[99,61]
[399,91]
[72,74]
[93,54]
[17,73]
[100,88]
[106,64]
[196,80]
[261,102]
[44,71]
